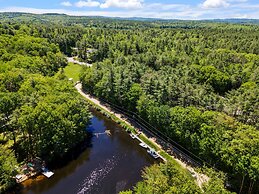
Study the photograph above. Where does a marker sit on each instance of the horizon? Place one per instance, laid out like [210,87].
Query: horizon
[153,9]
[129,18]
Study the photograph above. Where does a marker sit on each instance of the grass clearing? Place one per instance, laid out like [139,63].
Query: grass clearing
[72,71]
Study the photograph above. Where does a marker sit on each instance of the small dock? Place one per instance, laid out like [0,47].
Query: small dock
[33,168]
[47,173]
[23,177]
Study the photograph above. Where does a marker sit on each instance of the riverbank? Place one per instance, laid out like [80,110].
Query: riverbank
[112,162]
[150,141]
[126,124]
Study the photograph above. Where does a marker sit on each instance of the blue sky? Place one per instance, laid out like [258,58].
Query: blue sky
[169,9]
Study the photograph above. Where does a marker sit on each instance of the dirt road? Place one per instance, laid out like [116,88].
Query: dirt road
[200,178]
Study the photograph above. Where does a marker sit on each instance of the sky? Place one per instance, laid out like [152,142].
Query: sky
[166,9]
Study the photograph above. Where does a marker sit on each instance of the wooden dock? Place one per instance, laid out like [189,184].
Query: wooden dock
[23,177]
[32,168]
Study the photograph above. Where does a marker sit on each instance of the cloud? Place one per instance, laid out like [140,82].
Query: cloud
[165,7]
[124,14]
[126,4]
[66,4]
[215,4]
[88,3]
[210,4]
[237,9]
[247,6]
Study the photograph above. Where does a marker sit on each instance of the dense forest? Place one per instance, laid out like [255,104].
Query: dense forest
[41,114]
[199,86]
[195,81]
[168,179]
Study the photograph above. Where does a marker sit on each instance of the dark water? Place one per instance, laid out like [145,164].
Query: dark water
[112,163]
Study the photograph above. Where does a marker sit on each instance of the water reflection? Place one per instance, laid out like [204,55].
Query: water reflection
[108,164]
[97,175]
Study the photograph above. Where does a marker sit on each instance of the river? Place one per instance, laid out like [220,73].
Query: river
[111,163]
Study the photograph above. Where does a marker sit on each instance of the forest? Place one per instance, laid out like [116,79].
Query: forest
[198,86]
[195,81]
[41,114]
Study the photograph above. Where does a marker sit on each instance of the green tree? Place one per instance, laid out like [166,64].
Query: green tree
[7,168]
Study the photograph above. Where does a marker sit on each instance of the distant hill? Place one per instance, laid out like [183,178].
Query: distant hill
[237,21]
[112,22]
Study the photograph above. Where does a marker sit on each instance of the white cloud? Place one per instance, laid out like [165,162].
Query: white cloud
[210,4]
[247,6]
[239,1]
[165,11]
[88,3]
[215,4]
[66,4]
[124,14]
[165,7]
[127,4]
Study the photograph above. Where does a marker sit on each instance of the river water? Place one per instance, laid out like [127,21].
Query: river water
[111,163]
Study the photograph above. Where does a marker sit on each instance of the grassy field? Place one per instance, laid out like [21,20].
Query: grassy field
[73,71]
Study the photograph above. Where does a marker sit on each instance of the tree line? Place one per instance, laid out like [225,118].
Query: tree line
[196,81]
[198,86]
[41,114]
